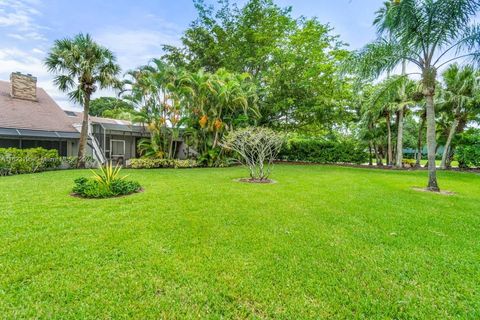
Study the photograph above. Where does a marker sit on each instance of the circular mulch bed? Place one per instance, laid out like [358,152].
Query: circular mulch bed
[250,180]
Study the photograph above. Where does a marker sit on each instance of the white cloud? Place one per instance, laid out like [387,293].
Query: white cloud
[19,18]
[136,47]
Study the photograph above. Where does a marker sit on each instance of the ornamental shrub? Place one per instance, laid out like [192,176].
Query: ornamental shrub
[324,151]
[105,183]
[256,147]
[18,161]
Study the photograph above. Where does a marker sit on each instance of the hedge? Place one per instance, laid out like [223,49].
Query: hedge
[152,163]
[17,161]
[324,151]
[468,150]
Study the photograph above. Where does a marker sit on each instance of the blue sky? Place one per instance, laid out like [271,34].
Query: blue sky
[135,30]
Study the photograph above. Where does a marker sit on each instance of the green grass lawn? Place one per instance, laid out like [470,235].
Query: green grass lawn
[324,242]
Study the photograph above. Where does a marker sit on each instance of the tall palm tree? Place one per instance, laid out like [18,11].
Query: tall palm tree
[461,87]
[81,66]
[428,34]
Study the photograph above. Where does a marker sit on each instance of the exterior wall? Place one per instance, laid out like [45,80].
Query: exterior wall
[62,145]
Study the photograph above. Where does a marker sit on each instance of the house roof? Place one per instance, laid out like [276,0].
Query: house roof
[41,115]
[108,123]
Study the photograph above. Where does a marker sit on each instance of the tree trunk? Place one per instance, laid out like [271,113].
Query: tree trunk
[82,146]
[431,144]
[399,161]
[389,141]
[370,160]
[446,151]
[419,142]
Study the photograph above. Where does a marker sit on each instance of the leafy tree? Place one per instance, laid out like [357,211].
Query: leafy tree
[428,34]
[292,61]
[80,66]
[109,105]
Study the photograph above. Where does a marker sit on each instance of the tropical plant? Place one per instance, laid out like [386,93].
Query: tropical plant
[105,183]
[81,66]
[459,98]
[107,173]
[429,35]
[257,147]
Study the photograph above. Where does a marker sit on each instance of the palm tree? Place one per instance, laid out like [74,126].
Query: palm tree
[428,34]
[461,87]
[81,66]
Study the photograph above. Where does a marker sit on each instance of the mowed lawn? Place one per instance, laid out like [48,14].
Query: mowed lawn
[323,242]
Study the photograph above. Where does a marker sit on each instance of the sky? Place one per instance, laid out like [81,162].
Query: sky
[136,30]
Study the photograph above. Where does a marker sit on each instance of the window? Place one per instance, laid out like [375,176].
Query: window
[117,147]
[9,143]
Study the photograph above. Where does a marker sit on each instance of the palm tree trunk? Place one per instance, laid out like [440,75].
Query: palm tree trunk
[419,143]
[82,146]
[431,143]
[389,141]
[446,151]
[399,161]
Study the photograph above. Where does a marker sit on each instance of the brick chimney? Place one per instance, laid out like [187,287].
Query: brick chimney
[23,86]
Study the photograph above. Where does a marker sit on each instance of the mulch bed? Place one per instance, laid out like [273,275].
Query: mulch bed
[249,180]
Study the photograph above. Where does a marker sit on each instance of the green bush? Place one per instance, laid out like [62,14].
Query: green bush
[468,149]
[18,161]
[409,163]
[71,162]
[151,163]
[90,188]
[324,151]
[105,183]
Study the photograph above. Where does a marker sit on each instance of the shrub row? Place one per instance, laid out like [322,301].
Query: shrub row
[324,151]
[150,163]
[17,161]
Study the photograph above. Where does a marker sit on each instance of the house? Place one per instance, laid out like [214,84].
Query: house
[30,118]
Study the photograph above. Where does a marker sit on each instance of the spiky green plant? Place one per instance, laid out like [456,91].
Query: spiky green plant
[107,174]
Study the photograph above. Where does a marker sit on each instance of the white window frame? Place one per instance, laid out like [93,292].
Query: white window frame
[111,149]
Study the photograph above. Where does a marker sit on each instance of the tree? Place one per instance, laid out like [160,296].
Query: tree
[111,105]
[293,62]
[153,89]
[81,66]
[427,34]
[458,97]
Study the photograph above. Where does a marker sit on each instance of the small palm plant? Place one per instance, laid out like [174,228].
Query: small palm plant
[107,174]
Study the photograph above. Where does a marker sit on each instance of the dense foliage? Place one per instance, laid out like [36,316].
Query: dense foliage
[468,151]
[88,188]
[294,61]
[324,151]
[110,107]
[17,161]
